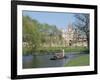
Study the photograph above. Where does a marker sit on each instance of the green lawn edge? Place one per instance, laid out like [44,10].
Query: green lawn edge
[79,61]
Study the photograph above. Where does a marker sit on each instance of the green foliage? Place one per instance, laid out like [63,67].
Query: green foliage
[36,34]
[31,34]
[27,50]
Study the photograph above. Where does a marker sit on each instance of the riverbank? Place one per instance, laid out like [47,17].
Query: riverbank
[56,49]
[79,61]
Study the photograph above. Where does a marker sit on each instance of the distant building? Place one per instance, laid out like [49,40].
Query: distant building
[72,37]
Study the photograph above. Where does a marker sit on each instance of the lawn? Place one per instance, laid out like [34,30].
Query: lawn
[66,49]
[46,50]
[79,61]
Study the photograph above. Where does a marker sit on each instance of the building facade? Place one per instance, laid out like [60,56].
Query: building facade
[71,37]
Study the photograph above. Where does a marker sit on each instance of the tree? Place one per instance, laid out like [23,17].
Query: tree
[82,23]
[50,34]
[37,35]
[31,34]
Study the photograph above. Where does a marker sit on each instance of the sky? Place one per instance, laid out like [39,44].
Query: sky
[60,19]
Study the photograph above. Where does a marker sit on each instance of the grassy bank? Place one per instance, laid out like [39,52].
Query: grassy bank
[55,49]
[79,61]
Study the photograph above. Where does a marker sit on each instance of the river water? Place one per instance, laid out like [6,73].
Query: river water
[44,61]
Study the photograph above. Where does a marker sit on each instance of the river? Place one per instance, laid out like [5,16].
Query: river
[44,61]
